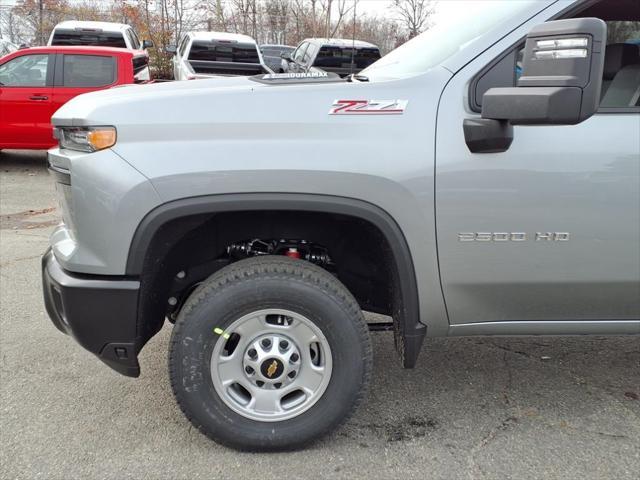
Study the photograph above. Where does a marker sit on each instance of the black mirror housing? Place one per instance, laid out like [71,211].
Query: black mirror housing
[286,56]
[561,79]
[534,105]
[147,44]
[172,49]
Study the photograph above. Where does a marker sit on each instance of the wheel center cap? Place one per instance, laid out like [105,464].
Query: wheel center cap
[271,368]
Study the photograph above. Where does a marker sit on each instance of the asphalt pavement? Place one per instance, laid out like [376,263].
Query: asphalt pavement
[521,408]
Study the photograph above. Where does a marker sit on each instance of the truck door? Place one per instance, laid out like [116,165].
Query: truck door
[548,230]
[25,101]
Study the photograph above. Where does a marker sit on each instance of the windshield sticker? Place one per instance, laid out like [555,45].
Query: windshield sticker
[368,107]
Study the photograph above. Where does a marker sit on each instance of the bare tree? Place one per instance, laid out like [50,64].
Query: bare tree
[414,14]
[341,8]
[243,15]
[277,20]
[218,19]
[298,10]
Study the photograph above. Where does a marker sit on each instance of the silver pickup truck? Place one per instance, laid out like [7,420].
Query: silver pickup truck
[482,179]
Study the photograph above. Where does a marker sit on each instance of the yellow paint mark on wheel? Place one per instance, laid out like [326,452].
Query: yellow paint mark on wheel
[221,332]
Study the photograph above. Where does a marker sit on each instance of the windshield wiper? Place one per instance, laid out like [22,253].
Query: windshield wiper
[355,76]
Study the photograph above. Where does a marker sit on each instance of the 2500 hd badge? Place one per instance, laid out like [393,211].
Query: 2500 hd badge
[513,237]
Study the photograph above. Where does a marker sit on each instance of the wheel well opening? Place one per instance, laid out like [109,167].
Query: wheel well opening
[185,251]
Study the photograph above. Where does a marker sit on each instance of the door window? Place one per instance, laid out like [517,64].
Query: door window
[182,46]
[298,55]
[135,41]
[309,54]
[25,71]
[88,71]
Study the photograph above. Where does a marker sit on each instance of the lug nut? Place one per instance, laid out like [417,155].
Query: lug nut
[260,383]
[284,344]
[266,343]
[249,370]
[277,385]
[292,374]
[252,353]
[294,357]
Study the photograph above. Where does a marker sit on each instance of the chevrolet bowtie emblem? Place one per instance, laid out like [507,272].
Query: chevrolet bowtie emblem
[271,369]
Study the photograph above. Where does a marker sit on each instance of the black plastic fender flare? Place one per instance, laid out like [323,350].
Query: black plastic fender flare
[410,332]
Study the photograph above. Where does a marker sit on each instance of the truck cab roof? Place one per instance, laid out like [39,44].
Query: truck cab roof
[224,36]
[113,51]
[339,42]
[102,26]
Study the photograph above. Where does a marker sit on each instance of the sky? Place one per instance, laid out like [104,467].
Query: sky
[377,7]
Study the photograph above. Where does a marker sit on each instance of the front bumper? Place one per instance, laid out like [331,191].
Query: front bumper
[99,312]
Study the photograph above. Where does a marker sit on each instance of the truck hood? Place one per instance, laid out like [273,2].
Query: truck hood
[227,99]
[239,119]
[118,101]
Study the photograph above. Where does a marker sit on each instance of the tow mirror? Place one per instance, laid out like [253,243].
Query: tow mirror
[147,44]
[560,84]
[171,49]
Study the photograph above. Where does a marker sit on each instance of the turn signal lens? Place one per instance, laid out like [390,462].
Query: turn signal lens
[102,138]
[86,139]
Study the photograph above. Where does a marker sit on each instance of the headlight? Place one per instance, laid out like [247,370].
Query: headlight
[86,139]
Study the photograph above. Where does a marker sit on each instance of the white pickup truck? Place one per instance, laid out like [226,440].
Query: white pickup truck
[99,34]
[216,54]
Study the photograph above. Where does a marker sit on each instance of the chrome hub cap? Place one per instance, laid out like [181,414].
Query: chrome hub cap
[271,365]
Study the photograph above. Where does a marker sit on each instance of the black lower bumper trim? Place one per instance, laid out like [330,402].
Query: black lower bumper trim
[99,313]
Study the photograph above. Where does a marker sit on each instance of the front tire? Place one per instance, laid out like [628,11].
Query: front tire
[269,353]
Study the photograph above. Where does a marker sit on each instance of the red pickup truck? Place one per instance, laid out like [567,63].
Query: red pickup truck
[35,82]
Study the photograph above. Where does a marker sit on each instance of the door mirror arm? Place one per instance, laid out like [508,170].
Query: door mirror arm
[484,135]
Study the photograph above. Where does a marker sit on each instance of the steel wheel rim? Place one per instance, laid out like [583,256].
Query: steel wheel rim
[271,365]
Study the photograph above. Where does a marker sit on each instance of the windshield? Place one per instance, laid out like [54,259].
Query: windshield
[456,25]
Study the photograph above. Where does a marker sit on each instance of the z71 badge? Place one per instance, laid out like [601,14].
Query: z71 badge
[368,107]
